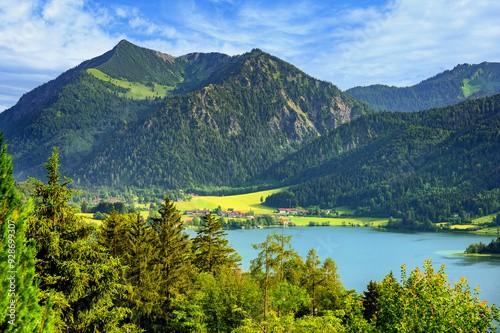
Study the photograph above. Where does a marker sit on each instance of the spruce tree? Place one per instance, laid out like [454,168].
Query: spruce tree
[141,274]
[19,294]
[174,258]
[210,247]
[81,276]
[113,234]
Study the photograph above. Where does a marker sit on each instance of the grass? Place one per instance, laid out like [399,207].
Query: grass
[136,90]
[252,202]
[477,255]
[87,217]
[469,89]
[463,226]
[242,202]
[484,219]
[342,221]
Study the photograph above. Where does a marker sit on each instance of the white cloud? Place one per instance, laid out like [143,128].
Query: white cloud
[399,42]
[413,41]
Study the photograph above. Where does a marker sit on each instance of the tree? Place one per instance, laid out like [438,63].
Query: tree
[19,293]
[370,299]
[173,261]
[82,278]
[210,248]
[269,266]
[322,283]
[141,275]
[113,234]
[425,302]
[313,276]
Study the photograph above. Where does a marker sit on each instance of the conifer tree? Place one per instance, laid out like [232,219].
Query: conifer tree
[141,275]
[113,234]
[210,247]
[82,278]
[19,294]
[174,258]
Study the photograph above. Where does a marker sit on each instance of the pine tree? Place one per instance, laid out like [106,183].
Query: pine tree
[174,258]
[17,262]
[210,248]
[81,276]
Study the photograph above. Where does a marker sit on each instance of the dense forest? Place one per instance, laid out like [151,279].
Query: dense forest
[421,166]
[179,122]
[447,88]
[61,275]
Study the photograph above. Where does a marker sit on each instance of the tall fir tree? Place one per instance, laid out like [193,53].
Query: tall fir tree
[19,293]
[174,259]
[141,276]
[113,234]
[83,278]
[210,247]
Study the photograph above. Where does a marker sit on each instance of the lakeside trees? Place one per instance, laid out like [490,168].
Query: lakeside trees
[132,276]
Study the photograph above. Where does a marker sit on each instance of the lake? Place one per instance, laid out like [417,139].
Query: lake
[363,254]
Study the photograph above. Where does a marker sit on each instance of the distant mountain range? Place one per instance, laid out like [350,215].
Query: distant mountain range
[138,117]
[450,87]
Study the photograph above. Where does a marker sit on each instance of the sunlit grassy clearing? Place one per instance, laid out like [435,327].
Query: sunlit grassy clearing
[136,90]
[463,226]
[242,202]
[484,219]
[361,221]
[87,217]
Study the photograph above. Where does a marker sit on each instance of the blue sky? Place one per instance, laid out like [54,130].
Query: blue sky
[349,43]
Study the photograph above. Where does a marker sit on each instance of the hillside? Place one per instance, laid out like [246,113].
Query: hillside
[450,87]
[135,116]
[425,165]
[257,110]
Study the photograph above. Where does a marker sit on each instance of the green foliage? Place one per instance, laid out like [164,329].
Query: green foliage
[424,302]
[19,293]
[210,248]
[174,260]
[82,280]
[420,167]
[492,248]
[448,88]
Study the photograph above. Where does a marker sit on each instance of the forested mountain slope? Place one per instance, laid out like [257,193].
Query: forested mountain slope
[447,88]
[135,116]
[426,165]
[256,110]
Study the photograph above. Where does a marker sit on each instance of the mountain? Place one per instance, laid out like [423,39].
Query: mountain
[425,166]
[135,116]
[450,87]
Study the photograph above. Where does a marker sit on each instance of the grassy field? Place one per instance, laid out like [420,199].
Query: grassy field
[241,202]
[252,202]
[136,90]
[463,226]
[484,219]
[88,218]
[341,221]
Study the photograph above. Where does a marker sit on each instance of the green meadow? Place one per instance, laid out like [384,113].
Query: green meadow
[135,90]
[242,202]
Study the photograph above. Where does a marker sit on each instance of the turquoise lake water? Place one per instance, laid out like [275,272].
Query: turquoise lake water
[363,254]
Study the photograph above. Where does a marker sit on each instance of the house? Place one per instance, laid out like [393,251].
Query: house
[189,212]
[284,222]
[288,210]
